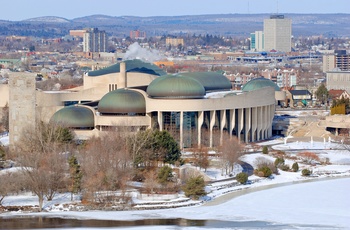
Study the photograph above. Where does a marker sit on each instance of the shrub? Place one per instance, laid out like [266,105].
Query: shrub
[194,187]
[309,157]
[279,162]
[261,162]
[284,167]
[242,177]
[280,153]
[295,167]
[306,172]
[266,170]
[265,150]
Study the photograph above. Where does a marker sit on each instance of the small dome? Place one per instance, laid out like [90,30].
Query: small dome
[172,86]
[258,83]
[212,81]
[122,101]
[74,117]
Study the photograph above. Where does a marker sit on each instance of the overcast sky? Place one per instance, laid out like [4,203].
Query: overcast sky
[16,10]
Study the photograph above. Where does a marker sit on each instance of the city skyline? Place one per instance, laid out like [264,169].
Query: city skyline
[21,10]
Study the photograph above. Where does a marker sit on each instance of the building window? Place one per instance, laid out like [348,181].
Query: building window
[112,87]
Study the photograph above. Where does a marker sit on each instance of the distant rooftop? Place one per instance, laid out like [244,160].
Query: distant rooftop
[277,16]
[135,65]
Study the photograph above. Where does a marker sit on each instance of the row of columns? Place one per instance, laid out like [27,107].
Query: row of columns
[256,123]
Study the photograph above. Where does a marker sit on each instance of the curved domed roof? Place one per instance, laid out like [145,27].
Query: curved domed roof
[122,101]
[211,81]
[173,86]
[135,65]
[74,117]
[258,83]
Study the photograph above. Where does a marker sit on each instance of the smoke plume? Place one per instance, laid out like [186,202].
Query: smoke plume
[135,51]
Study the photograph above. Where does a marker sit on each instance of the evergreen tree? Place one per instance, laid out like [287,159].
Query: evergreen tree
[242,177]
[295,167]
[322,93]
[166,147]
[265,150]
[75,175]
[165,175]
[194,187]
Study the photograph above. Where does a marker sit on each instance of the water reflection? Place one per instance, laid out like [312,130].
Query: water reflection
[50,222]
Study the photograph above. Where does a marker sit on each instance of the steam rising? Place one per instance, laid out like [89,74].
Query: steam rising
[135,51]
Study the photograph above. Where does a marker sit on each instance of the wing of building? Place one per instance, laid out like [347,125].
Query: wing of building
[197,108]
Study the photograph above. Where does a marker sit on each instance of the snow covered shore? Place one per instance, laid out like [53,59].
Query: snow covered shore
[320,204]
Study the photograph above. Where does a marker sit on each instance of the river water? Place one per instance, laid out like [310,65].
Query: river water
[36,222]
[62,222]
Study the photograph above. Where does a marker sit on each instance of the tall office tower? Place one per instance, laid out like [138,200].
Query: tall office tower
[95,40]
[278,33]
[257,41]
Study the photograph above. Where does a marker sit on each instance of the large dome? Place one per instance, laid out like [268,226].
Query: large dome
[211,81]
[258,83]
[74,117]
[122,101]
[172,86]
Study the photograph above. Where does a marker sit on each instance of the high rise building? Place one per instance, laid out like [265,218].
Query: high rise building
[137,34]
[340,59]
[95,40]
[174,42]
[257,41]
[278,33]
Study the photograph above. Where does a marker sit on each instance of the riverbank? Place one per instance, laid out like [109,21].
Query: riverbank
[317,204]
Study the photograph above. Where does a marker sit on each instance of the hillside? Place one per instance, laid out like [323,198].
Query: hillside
[330,25]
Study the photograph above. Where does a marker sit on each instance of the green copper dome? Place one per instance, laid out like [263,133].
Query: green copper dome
[74,117]
[122,101]
[135,65]
[173,86]
[258,83]
[212,81]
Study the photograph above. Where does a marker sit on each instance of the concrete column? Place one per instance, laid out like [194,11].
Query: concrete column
[181,129]
[267,117]
[260,125]
[223,123]
[122,74]
[232,120]
[272,114]
[239,124]
[160,120]
[247,124]
[254,124]
[212,123]
[264,118]
[200,121]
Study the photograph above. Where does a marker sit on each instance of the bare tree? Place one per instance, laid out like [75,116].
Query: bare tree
[41,155]
[151,181]
[106,166]
[9,184]
[201,157]
[5,117]
[230,152]
[139,145]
